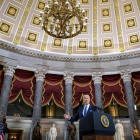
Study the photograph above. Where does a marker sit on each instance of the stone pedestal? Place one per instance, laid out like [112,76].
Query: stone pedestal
[8,75]
[68,101]
[126,76]
[97,78]
[38,101]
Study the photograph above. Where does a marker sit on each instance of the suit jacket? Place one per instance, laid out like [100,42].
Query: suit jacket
[79,114]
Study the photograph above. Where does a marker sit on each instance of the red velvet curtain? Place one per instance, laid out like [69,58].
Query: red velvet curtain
[54,88]
[23,84]
[1,77]
[83,85]
[113,88]
[136,87]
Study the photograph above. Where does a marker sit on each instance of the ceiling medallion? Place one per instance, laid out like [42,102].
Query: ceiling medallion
[57,18]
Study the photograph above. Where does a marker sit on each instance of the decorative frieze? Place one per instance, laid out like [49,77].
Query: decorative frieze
[67,58]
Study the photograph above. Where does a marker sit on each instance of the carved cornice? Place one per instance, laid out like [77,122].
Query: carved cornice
[71,58]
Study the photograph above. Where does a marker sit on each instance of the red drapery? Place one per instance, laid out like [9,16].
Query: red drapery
[136,87]
[1,77]
[113,88]
[54,88]
[23,84]
[83,85]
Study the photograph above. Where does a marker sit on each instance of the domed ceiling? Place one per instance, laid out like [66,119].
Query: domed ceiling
[113,27]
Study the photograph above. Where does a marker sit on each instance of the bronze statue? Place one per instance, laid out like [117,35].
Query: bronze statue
[5,129]
[1,118]
[136,133]
[37,134]
[72,131]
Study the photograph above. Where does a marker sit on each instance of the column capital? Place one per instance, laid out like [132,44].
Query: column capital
[9,69]
[68,77]
[40,75]
[97,77]
[126,75]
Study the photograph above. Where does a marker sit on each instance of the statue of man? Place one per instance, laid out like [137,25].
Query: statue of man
[6,131]
[119,135]
[37,135]
[136,133]
[53,133]
[72,131]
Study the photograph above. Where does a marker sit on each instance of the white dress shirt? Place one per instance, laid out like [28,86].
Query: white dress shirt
[87,108]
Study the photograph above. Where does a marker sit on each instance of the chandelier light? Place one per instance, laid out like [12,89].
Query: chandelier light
[63,18]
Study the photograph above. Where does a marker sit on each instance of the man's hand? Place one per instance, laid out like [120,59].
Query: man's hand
[67,116]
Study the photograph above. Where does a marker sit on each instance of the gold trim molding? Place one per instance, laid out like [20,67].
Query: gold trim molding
[138,3]
[69,51]
[22,23]
[120,38]
[95,49]
[1,2]
[44,43]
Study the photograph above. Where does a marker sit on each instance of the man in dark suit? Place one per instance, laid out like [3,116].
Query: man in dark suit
[82,111]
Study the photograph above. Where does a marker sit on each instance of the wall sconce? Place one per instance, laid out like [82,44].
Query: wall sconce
[13,137]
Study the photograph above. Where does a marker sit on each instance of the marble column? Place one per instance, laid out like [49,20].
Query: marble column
[9,70]
[126,76]
[37,101]
[97,78]
[68,101]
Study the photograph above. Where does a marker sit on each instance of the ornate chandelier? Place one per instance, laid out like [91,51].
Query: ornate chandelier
[63,18]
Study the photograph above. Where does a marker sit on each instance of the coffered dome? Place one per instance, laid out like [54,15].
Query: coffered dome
[113,27]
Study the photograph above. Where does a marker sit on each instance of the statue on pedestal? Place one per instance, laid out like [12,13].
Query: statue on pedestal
[72,131]
[53,133]
[119,135]
[136,133]
[6,131]
[37,134]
